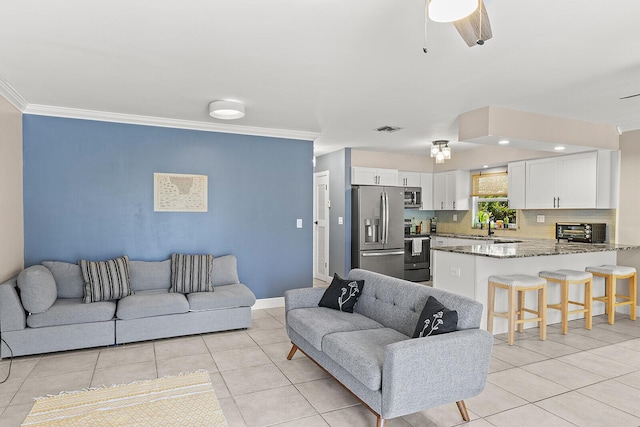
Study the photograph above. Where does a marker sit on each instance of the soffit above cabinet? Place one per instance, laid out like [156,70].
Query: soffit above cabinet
[532,131]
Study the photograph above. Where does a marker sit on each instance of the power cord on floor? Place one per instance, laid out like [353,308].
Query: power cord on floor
[10,360]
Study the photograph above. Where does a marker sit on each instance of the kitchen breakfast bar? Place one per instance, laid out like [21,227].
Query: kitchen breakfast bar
[465,270]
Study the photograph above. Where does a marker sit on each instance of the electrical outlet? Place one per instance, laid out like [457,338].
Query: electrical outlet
[340,220]
[455,217]
[455,272]
[540,218]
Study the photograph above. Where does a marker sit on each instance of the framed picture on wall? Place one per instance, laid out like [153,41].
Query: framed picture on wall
[174,192]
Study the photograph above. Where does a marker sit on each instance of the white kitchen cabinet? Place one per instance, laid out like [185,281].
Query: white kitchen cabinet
[568,182]
[608,181]
[426,183]
[374,176]
[408,179]
[451,190]
[516,173]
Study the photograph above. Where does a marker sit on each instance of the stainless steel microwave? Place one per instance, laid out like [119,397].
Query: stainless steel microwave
[584,233]
[412,197]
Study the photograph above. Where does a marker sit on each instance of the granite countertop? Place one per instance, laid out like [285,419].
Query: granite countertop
[531,248]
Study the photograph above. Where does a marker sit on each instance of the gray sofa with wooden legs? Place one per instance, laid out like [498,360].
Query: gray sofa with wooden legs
[371,352]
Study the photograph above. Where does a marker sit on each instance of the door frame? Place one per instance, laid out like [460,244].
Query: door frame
[317,175]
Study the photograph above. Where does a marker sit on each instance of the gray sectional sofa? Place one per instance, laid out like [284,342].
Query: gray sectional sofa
[150,312]
[371,354]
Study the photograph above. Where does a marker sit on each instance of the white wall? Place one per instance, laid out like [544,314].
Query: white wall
[11,208]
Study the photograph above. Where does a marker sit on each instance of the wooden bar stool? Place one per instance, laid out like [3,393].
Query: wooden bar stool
[565,278]
[517,285]
[611,274]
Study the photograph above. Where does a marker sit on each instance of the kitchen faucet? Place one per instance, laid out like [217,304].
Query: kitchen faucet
[490,233]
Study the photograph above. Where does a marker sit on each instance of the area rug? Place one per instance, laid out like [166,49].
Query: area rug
[184,400]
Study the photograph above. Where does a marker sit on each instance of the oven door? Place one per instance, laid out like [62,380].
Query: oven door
[416,259]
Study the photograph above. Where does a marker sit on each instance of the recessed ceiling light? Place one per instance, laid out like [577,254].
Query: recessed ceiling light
[559,148]
[485,166]
[503,142]
[226,110]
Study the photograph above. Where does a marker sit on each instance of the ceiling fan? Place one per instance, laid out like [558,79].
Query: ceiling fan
[468,16]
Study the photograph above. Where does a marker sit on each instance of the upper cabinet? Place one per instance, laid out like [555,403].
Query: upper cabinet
[517,184]
[576,181]
[426,183]
[374,176]
[408,179]
[451,190]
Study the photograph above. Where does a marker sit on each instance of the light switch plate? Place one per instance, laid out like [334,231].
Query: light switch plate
[299,223]
[455,217]
[540,218]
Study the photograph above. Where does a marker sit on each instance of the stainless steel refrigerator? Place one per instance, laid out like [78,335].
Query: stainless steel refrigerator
[377,226]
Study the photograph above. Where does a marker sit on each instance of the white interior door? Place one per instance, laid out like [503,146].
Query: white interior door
[321,226]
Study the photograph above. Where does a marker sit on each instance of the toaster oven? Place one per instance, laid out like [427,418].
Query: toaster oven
[584,233]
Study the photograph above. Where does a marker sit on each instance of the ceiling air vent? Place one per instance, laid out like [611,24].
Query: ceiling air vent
[388,129]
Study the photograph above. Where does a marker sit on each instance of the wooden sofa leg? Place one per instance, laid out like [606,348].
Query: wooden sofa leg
[294,348]
[380,422]
[463,410]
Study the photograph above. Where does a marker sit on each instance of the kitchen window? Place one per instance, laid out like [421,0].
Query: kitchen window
[489,197]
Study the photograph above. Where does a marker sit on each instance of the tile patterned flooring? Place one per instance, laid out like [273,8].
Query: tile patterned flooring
[585,378]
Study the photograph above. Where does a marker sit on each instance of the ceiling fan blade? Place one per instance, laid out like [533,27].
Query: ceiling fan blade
[469,27]
[630,96]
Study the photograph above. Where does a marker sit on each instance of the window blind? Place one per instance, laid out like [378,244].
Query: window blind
[489,184]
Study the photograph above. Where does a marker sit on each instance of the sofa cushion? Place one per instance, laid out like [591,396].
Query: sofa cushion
[191,273]
[224,271]
[226,296]
[68,278]
[316,322]
[151,303]
[37,288]
[105,280]
[72,311]
[361,353]
[150,275]
[342,294]
[435,319]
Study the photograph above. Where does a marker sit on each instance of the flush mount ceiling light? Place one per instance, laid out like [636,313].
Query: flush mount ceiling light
[559,148]
[440,150]
[503,142]
[451,10]
[226,110]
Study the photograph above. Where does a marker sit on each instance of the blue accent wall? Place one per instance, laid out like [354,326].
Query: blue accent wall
[88,194]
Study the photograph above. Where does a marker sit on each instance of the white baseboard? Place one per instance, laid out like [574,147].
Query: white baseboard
[263,303]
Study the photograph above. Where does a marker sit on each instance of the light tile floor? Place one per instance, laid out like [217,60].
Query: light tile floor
[585,378]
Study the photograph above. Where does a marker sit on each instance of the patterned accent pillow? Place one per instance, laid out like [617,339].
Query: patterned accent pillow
[191,273]
[435,319]
[105,280]
[342,294]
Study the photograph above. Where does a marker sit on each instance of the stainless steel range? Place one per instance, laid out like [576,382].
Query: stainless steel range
[417,258]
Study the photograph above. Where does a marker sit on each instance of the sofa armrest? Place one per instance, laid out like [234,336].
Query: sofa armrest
[427,372]
[12,314]
[302,298]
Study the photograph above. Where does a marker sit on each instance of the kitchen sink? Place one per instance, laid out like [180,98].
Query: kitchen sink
[498,241]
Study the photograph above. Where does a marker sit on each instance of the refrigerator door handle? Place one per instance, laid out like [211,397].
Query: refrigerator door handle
[382,217]
[386,218]
[382,253]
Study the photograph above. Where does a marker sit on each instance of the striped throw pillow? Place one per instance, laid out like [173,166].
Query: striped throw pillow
[105,280]
[191,273]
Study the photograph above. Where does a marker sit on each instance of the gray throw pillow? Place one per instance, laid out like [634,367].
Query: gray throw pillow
[68,278]
[105,280]
[191,273]
[225,271]
[37,288]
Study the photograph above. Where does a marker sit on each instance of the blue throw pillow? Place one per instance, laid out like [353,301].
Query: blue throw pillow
[435,319]
[342,294]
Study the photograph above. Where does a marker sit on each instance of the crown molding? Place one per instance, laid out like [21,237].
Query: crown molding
[103,116]
[12,95]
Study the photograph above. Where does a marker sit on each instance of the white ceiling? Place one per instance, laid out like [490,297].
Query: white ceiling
[336,68]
